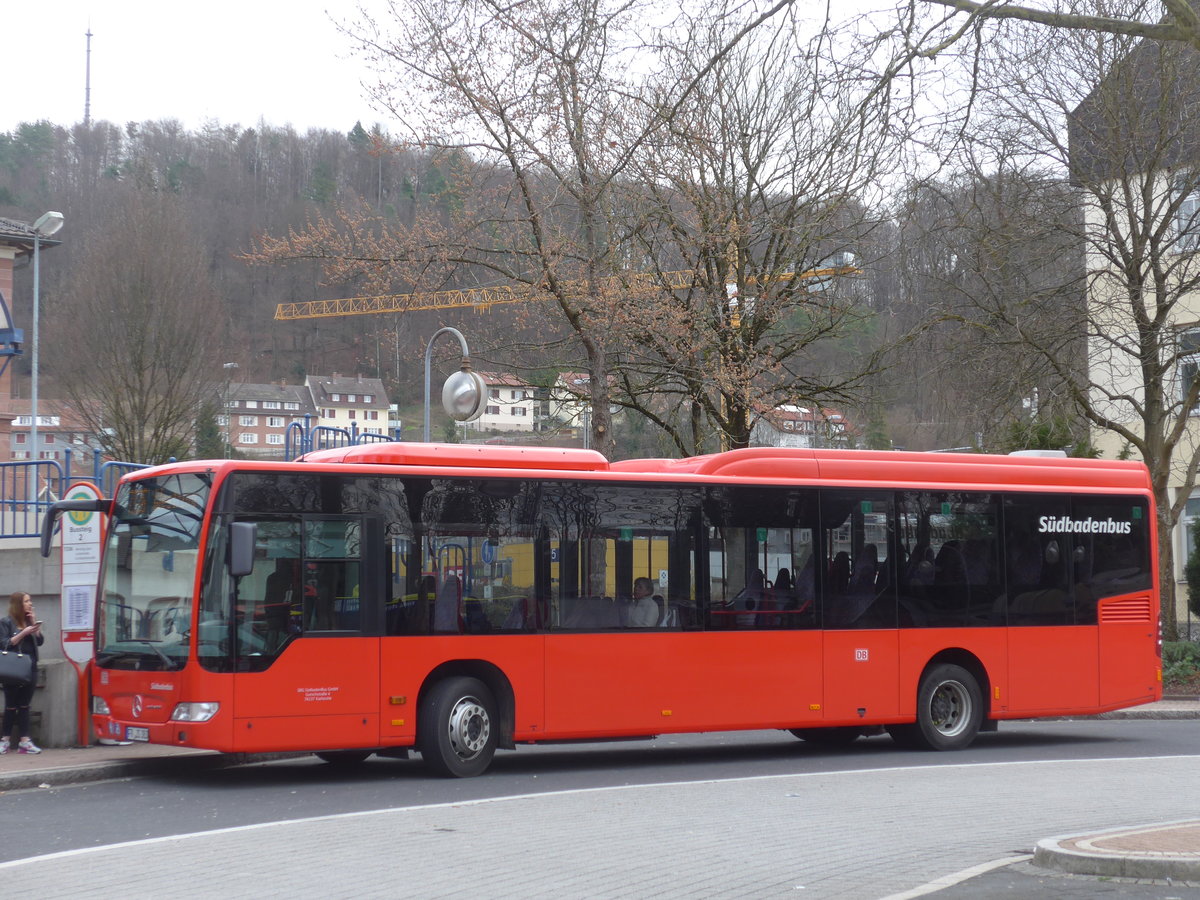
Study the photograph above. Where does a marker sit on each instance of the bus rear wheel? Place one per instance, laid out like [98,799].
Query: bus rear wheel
[949,711]
[456,731]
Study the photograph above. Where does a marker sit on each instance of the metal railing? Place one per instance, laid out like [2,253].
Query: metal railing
[28,487]
[304,437]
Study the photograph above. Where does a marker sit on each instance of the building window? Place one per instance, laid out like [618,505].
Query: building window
[371,414]
[368,398]
[247,437]
[20,438]
[248,421]
[493,410]
[519,411]
[274,421]
[291,405]
[251,404]
[1187,216]
[270,404]
[274,438]
[1190,520]
[335,398]
[1189,364]
[350,413]
[494,393]
[49,438]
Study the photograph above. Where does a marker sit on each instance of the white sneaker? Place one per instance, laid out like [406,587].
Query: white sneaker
[28,746]
[3,746]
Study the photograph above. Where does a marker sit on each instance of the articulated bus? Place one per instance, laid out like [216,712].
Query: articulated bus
[457,599]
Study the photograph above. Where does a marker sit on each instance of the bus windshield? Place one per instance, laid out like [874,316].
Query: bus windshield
[150,567]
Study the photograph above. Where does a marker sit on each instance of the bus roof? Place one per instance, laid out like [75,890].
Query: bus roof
[884,468]
[900,467]
[762,463]
[473,456]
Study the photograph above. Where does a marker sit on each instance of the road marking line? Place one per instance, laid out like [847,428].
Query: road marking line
[956,877]
[333,817]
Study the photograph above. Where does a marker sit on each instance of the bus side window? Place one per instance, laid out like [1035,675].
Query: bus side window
[1113,559]
[858,538]
[1039,562]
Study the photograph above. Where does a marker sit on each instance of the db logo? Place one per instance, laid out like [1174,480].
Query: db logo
[861,655]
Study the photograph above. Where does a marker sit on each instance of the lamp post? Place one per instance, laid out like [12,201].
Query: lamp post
[229,368]
[464,391]
[46,226]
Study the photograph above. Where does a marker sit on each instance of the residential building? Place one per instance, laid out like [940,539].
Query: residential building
[802,426]
[257,416]
[570,400]
[511,405]
[16,246]
[60,428]
[1135,161]
[353,403]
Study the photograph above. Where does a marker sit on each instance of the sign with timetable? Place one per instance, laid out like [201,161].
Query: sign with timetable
[81,533]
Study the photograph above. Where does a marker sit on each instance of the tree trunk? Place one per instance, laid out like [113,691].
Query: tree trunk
[1166,568]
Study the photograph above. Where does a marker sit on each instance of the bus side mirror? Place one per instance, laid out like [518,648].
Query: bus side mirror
[59,507]
[242,538]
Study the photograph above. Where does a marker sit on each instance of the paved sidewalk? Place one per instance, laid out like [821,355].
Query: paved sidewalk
[1167,708]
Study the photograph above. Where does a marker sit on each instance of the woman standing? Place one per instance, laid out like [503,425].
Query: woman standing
[19,630]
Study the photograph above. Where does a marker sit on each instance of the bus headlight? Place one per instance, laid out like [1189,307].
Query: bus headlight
[100,706]
[194,712]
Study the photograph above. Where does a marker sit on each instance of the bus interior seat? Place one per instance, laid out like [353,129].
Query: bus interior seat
[447,616]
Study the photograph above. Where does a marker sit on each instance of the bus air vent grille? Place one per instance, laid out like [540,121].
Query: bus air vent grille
[1131,609]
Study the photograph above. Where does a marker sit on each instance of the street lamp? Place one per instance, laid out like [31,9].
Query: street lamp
[47,225]
[464,391]
[229,368]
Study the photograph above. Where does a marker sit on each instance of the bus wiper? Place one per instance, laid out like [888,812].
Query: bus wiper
[153,645]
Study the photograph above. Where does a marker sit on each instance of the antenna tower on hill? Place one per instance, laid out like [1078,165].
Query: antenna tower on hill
[87,81]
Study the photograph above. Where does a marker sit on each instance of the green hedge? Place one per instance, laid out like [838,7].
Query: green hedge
[1181,659]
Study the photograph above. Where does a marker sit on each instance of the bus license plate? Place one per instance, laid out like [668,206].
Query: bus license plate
[137,734]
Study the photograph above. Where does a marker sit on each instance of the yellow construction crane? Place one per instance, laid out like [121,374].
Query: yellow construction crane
[483,299]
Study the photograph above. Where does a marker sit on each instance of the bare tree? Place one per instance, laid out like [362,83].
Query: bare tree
[1169,21]
[541,91]
[995,245]
[137,332]
[1114,118]
[759,191]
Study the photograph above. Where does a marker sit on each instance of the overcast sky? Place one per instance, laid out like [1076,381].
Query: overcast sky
[235,61]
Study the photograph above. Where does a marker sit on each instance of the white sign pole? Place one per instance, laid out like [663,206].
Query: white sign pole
[82,534]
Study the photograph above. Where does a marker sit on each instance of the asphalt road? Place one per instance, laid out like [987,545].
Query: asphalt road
[753,814]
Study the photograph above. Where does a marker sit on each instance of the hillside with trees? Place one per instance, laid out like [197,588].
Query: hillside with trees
[704,161]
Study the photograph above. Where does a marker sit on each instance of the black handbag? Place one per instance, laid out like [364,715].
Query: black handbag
[16,668]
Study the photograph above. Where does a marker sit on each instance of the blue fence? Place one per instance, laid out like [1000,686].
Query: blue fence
[28,488]
[304,437]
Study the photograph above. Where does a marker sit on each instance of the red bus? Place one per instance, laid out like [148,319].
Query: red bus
[457,599]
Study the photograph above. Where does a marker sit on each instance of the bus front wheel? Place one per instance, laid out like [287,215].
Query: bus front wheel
[949,711]
[456,731]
